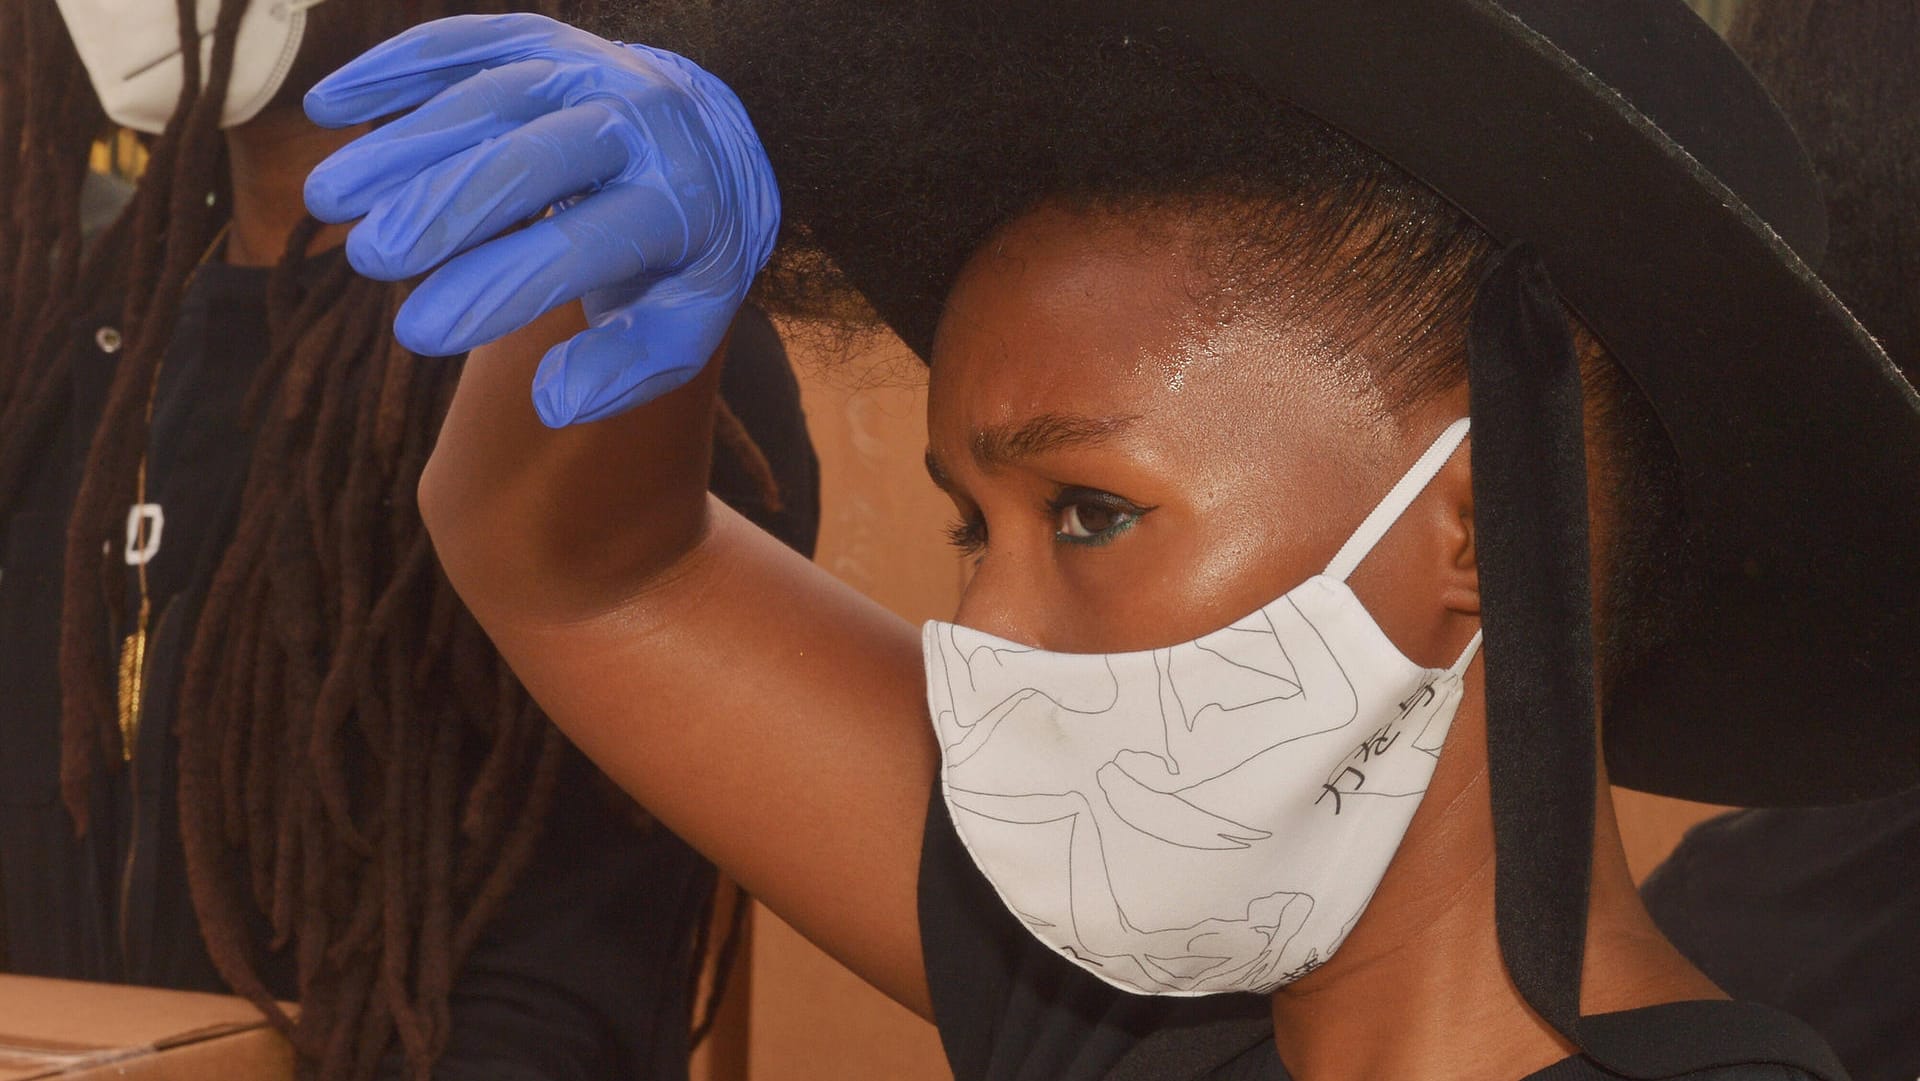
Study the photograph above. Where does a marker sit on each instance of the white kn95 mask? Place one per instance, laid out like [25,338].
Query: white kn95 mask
[131,50]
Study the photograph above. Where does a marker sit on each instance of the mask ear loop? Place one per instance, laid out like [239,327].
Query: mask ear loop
[1366,536]
[1459,666]
[1398,498]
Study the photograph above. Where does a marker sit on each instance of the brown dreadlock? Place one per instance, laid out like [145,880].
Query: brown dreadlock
[357,766]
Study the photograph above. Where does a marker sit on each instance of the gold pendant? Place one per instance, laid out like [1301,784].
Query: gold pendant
[133,671]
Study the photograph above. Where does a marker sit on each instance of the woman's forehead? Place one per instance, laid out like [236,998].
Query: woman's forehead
[1205,409]
[1122,315]
[1077,290]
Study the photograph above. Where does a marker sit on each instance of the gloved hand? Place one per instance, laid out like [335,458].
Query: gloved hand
[666,206]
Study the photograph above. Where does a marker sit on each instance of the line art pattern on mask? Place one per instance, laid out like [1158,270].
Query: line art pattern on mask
[1110,785]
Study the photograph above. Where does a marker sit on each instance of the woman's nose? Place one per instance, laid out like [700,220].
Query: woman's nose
[1005,598]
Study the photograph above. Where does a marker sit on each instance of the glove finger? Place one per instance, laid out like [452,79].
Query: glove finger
[482,191]
[489,104]
[413,66]
[627,362]
[612,237]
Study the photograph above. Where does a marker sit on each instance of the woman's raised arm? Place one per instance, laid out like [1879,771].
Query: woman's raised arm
[764,711]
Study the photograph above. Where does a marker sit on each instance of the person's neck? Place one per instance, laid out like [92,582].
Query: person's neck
[268,161]
[1419,988]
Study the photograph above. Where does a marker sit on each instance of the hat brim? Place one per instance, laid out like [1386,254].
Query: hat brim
[1792,678]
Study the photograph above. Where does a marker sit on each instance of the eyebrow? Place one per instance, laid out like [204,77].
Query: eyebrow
[1003,444]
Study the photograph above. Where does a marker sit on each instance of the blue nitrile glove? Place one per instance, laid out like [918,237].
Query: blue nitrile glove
[665,204]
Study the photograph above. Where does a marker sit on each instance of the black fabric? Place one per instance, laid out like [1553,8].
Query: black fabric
[1010,1009]
[1579,1069]
[1195,1049]
[1799,443]
[1661,1041]
[577,978]
[1530,542]
[1668,1036]
[1815,911]
[581,975]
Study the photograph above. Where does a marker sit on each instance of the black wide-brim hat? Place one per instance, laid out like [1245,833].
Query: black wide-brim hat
[1678,216]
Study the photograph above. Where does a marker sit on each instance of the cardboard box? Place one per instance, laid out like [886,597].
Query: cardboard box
[91,1032]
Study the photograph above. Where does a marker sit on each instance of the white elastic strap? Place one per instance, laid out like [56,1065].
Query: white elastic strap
[1459,667]
[1411,484]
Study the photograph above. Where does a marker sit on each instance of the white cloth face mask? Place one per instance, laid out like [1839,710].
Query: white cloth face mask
[131,50]
[1208,817]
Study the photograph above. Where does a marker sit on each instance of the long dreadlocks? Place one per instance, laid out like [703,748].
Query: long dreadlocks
[357,766]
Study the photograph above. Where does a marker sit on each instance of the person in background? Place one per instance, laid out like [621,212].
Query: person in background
[1817,910]
[250,741]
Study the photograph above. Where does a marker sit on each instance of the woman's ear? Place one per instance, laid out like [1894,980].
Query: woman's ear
[1429,556]
[1460,591]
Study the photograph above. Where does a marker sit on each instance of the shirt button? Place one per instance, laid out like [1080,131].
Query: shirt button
[108,339]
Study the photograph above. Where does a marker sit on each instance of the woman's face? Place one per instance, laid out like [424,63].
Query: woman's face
[1132,469]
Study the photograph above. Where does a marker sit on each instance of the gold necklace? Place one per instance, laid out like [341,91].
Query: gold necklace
[133,650]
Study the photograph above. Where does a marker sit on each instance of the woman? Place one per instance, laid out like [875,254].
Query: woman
[1195,354]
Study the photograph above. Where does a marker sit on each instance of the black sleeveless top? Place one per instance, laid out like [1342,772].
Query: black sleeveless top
[1010,1009]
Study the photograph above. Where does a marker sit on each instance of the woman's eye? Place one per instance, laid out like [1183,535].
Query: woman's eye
[1083,520]
[1083,517]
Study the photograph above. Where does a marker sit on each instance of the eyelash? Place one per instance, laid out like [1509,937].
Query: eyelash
[969,535]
